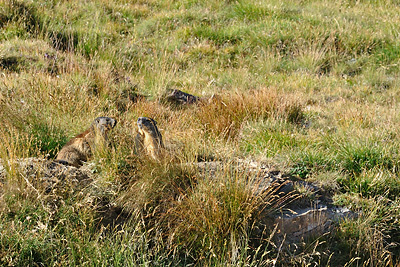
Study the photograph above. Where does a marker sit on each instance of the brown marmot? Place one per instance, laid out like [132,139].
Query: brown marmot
[80,148]
[149,138]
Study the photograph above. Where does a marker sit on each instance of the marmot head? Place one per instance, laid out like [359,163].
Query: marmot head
[104,125]
[148,125]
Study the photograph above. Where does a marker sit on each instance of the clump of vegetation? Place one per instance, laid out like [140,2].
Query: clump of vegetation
[308,86]
[224,116]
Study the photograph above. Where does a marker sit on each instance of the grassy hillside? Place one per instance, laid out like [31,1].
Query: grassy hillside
[309,87]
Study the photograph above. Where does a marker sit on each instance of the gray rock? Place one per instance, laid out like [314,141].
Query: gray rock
[179,98]
[300,224]
[46,175]
[300,217]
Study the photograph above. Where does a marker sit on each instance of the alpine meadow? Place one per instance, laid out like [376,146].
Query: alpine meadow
[295,104]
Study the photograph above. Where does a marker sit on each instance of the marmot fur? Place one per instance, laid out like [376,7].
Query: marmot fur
[149,138]
[80,148]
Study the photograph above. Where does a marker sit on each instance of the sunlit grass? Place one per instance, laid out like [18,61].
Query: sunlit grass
[310,87]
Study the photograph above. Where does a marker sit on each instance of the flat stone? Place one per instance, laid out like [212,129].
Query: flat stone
[299,218]
[297,225]
[47,174]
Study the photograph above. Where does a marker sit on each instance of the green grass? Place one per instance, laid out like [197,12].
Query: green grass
[311,87]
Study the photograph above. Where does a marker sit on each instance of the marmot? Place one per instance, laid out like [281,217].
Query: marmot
[80,148]
[149,138]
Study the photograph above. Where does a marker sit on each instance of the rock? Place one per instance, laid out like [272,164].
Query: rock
[54,181]
[48,175]
[299,224]
[300,216]
[179,98]
[259,175]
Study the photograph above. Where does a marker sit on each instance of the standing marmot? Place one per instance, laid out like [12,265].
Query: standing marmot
[149,138]
[80,148]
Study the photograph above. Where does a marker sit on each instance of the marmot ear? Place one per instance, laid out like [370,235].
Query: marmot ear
[112,121]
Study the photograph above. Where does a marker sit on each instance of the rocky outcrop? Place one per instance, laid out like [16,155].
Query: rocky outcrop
[45,174]
[301,217]
[56,181]
[179,98]
[299,224]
